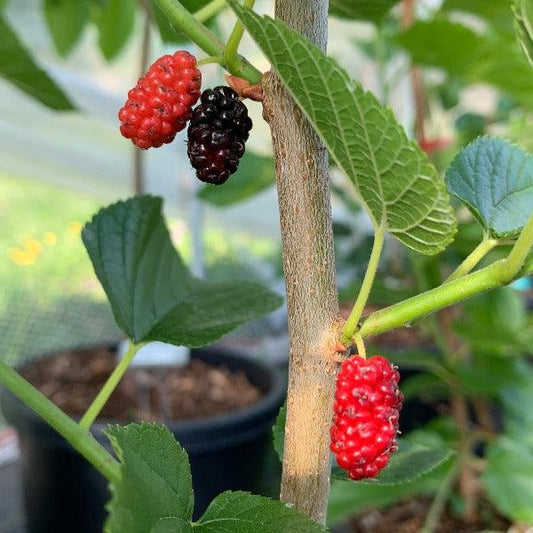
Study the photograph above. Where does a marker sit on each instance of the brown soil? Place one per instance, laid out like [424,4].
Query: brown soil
[72,379]
[409,516]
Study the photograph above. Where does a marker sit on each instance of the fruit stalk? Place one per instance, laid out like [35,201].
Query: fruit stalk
[308,262]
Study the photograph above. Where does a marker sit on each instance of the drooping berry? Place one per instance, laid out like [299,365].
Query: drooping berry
[366,412]
[217,133]
[161,103]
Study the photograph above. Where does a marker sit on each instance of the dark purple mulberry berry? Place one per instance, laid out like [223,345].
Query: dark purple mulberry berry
[217,133]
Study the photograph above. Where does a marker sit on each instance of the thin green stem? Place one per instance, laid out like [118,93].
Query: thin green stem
[210,60]
[234,40]
[442,496]
[110,385]
[78,437]
[479,252]
[352,322]
[185,21]
[210,10]
[518,255]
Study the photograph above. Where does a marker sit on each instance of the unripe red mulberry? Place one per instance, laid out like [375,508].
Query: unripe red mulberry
[366,411]
[161,103]
[218,130]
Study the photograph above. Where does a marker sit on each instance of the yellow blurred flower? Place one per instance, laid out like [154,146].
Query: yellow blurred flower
[26,255]
[74,227]
[49,238]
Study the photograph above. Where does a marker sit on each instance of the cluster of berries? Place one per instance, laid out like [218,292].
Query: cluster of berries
[162,103]
[366,412]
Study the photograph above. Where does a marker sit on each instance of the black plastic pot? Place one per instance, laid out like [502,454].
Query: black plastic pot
[63,493]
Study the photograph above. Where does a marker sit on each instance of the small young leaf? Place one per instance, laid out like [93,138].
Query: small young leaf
[409,462]
[115,21]
[66,20]
[156,479]
[400,188]
[152,294]
[371,10]
[241,512]
[172,524]
[278,431]
[494,178]
[255,174]
[19,68]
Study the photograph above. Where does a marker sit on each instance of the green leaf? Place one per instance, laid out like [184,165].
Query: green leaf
[494,178]
[155,479]
[19,68]
[172,525]
[523,11]
[211,310]
[492,59]
[409,462]
[508,478]
[66,20]
[348,497]
[115,21]
[240,512]
[278,431]
[255,174]
[152,295]
[400,188]
[372,10]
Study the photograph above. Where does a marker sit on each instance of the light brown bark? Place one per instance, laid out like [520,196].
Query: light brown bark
[308,260]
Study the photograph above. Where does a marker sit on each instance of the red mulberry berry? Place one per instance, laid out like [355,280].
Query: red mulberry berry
[218,130]
[161,103]
[366,411]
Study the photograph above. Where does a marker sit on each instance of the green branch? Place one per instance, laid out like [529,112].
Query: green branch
[210,10]
[479,252]
[186,23]
[110,385]
[352,322]
[518,263]
[232,46]
[78,437]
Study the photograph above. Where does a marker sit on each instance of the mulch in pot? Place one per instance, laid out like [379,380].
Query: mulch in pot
[72,379]
[409,516]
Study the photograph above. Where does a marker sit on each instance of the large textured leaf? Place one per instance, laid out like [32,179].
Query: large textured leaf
[494,178]
[66,20]
[152,295]
[372,10]
[155,479]
[240,512]
[18,68]
[493,59]
[523,10]
[133,257]
[212,309]
[400,188]
[255,174]
[115,22]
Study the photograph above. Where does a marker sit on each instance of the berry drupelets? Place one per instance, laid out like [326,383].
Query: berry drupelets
[161,103]
[366,411]
[218,130]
